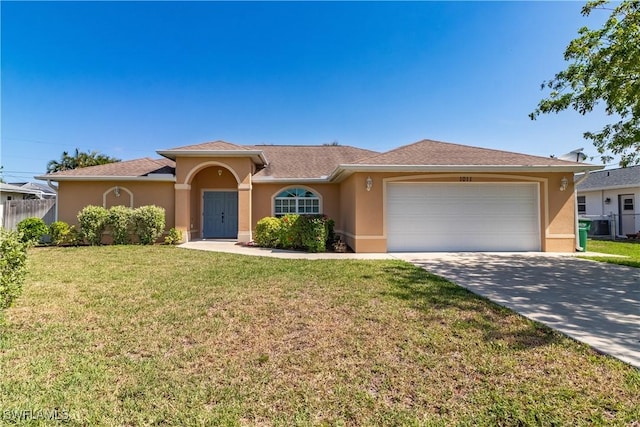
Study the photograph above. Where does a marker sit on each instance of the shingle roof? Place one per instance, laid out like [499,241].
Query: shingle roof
[428,152]
[35,186]
[129,168]
[322,161]
[622,177]
[306,161]
[213,146]
[10,188]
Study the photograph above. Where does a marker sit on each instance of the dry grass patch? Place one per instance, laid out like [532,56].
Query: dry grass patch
[164,336]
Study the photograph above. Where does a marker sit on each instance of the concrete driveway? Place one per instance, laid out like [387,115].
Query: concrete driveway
[596,303]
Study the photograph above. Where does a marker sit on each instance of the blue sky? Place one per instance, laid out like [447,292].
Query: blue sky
[129,78]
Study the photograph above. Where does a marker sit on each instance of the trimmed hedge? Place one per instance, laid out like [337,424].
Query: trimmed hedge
[120,224]
[148,223]
[93,222]
[311,233]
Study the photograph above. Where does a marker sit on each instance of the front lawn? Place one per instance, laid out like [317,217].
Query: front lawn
[158,335]
[630,249]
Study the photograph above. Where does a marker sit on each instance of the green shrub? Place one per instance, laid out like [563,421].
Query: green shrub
[74,237]
[93,222]
[63,234]
[310,233]
[120,223]
[331,234]
[148,223]
[32,229]
[287,238]
[307,232]
[314,238]
[267,232]
[13,268]
[174,237]
[59,232]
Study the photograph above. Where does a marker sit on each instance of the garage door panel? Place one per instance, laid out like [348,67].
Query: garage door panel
[454,217]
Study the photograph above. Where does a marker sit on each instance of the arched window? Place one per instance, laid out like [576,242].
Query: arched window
[296,201]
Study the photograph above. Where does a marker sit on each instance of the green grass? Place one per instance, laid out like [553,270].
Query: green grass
[628,249]
[164,336]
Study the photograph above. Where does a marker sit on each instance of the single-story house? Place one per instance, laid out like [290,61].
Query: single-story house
[44,191]
[425,196]
[10,192]
[609,197]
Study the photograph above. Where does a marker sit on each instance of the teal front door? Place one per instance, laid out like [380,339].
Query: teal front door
[220,214]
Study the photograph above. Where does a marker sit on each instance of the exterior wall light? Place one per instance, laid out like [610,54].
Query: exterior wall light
[219,172]
[564,183]
[116,191]
[369,183]
[607,200]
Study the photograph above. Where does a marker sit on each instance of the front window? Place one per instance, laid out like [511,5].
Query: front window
[297,201]
[582,204]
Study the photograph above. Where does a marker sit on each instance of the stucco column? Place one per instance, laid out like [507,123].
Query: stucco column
[183,210]
[244,213]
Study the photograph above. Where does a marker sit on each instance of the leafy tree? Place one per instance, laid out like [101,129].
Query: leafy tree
[604,66]
[80,159]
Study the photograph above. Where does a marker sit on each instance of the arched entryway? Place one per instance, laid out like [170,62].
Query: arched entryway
[214,202]
[213,196]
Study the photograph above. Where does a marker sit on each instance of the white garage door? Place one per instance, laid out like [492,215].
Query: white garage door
[462,217]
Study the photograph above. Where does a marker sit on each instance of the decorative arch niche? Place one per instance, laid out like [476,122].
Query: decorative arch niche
[117,195]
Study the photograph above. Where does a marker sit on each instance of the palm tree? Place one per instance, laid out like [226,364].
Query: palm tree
[79,160]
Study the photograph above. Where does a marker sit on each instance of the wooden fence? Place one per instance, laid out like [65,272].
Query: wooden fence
[14,211]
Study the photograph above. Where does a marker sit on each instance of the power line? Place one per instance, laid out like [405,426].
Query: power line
[35,141]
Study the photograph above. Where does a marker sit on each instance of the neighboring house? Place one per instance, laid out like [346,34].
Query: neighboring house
[19,201]
[18,192]
[611,198]
[426,196]
[46,192]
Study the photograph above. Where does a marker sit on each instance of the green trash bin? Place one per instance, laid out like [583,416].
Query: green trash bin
[584,225]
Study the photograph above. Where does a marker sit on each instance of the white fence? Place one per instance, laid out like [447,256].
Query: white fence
[14,211]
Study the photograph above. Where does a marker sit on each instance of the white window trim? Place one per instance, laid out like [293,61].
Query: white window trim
[303,187]
[582,204]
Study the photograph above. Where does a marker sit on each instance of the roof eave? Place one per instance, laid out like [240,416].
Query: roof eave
[269,180]
[151,178]
[343,171]
[257,156]
[609,187]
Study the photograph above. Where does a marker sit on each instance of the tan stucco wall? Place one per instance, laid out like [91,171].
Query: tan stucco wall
[188,167]
[74,196]
[359,214]
[347,228]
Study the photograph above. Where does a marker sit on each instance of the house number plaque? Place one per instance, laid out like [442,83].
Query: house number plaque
[465,179]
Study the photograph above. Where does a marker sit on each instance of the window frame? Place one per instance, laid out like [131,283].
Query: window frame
[298,202]
[582,205]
